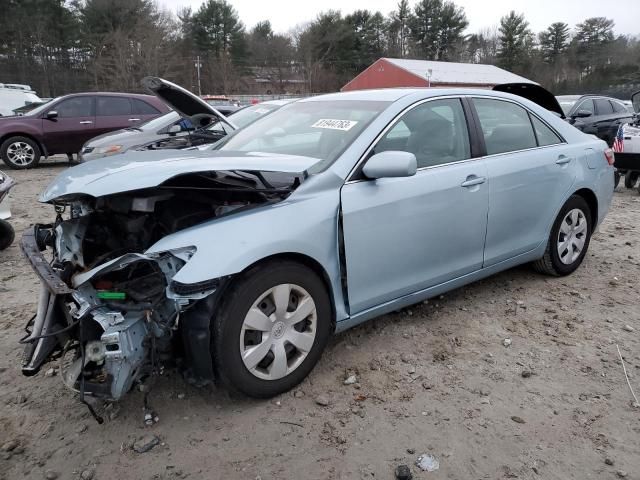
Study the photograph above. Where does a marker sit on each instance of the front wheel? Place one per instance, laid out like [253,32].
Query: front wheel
[569,239]
[20,153]
[7,234]
[271,329]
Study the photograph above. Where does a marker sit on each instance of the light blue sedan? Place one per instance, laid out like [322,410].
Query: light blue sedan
[331,211]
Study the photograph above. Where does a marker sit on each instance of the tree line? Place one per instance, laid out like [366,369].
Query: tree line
[60,46]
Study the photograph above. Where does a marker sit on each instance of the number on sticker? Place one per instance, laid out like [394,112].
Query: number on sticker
[344,125]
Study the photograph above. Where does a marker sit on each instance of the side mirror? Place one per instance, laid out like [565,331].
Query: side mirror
[582,114]
[173,129]
[391,163]
[52,114]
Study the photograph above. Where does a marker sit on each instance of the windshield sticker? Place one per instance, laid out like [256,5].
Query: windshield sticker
[344,125]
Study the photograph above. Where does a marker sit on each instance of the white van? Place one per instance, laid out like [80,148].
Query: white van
[14,95]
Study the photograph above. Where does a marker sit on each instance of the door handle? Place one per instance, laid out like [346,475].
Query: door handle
[563,160]
[86,122]
[134,119]
[472,181]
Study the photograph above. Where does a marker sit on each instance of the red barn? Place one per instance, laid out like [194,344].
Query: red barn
[396,72]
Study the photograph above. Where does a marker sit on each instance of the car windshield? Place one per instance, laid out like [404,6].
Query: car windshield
[320,129]
[567,102]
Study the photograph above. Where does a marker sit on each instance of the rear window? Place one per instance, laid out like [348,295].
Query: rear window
[140,107]
[603,106]
[505,125]
[113,106]
[619,107]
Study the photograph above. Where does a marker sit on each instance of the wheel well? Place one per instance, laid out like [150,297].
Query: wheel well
[43,150]
[309,263]
[592,201]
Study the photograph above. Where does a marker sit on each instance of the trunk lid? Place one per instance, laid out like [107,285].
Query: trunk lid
[534,93]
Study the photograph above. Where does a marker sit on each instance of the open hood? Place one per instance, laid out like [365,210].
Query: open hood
[635,100]
[181,100]
[140,170]
[534,93]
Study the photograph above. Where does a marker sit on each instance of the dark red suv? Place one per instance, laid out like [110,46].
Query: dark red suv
[65,123]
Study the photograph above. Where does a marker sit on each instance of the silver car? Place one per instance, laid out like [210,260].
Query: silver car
[328,212]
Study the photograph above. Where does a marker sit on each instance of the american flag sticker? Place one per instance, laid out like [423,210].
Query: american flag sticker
[618,142]
[344,125]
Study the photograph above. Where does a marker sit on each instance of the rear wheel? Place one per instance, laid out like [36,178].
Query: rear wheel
[569,239]
[7,234]
[20,152]
[616,179]
[271,329]
[630,179]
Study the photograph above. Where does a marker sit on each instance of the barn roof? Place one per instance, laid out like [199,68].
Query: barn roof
[458,73]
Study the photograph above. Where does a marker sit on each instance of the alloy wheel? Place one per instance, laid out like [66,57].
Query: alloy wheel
[278,331]
[20,153]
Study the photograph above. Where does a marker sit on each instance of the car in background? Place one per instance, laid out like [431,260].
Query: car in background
[598,115]
[222,103]
[65,123]
[242,261]
[173,130]
[15,95]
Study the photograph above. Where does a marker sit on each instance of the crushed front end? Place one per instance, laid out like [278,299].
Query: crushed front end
[111,314]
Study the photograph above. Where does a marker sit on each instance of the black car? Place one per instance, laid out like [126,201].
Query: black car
[595,114]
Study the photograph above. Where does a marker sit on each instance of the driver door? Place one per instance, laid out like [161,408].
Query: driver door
[403,235]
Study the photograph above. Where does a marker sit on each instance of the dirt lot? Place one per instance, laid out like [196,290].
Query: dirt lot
[435,378]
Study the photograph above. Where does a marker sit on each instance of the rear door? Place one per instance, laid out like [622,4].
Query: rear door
[74,125]
[113,113]
[141,111]
[403,235]
[530,169]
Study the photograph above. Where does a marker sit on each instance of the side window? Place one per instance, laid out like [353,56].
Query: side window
[603,107]
[587,105]
[75,107]
[545,135]
[505,125]
[112,106]
[435,132]
[619,107]
[140,107]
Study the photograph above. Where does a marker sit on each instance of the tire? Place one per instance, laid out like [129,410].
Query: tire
[616,179]
[231,334]
[630,179]
[553,263]
[7,234]
[20,153]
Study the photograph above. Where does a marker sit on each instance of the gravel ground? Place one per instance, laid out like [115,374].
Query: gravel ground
[436,378]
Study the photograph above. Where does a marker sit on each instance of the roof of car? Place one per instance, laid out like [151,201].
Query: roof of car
[109,94]
[381,94]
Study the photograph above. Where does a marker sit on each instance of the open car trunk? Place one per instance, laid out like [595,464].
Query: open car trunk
[534,93]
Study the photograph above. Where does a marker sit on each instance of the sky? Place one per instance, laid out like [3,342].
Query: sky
[286,14]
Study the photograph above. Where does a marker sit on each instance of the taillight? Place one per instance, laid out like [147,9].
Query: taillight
[610,156]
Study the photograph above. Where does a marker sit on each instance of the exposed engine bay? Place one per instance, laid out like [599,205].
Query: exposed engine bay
[203,134]
[113,315]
